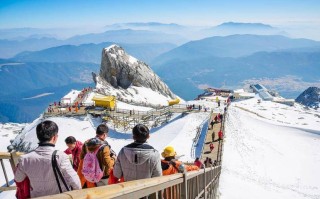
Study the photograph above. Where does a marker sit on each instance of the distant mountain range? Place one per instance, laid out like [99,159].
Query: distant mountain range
[92,52]
[127,36]
[229,61]
[10,48]
[232,46]
[17,40]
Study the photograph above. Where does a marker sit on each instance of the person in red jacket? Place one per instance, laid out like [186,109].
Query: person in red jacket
[220,134]
[211,147]
[198,163]
[74,149]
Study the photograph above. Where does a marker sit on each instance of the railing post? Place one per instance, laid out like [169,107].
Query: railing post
[184,192]
[4,172]
[14,160]
[205,184]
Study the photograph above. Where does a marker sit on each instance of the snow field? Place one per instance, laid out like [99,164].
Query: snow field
[265,160]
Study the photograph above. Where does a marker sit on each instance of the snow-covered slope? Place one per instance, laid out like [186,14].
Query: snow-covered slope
[270,151]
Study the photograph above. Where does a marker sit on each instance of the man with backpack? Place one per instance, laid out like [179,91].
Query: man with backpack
[103,154]
[138,160]
[48,170]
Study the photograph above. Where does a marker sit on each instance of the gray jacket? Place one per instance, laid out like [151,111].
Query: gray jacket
[137,161]
[37,165]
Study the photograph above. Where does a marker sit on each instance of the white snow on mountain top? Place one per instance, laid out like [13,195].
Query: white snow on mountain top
[135,94]
[119,52]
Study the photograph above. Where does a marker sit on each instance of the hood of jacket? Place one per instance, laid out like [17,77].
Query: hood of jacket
[138,154]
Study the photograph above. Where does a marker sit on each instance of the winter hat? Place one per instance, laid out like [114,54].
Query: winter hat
[168,152]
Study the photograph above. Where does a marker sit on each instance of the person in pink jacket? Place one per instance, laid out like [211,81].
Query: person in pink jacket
[38,165]
[74,149]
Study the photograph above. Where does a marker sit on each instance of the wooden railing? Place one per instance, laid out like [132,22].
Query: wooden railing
[12,158]
[191,185]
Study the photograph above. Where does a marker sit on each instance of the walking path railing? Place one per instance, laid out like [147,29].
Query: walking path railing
[191,185]
[12,158]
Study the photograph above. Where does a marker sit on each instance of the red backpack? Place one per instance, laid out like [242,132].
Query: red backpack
[23,189]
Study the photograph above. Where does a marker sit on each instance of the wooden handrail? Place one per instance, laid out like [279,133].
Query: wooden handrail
[136,188]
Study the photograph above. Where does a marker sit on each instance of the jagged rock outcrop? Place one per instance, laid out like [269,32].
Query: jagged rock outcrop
[120,69]
[310,97]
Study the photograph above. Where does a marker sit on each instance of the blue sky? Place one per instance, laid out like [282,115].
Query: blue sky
[77,13]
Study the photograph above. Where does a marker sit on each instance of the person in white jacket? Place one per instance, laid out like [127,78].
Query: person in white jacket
[37,165]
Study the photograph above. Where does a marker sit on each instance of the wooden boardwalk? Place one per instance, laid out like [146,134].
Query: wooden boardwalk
[206,149]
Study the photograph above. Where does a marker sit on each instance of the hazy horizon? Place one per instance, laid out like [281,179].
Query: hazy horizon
[300,18]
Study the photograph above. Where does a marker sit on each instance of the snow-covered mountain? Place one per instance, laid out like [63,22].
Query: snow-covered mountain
[310,97]
[128,78]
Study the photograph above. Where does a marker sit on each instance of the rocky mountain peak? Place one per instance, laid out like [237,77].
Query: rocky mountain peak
[310,97]
[122,70]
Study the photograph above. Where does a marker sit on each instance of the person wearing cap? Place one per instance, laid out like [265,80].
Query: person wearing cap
[171,166]
[105,156]
[138,160]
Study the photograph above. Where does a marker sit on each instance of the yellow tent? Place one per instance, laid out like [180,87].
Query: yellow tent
[105,101]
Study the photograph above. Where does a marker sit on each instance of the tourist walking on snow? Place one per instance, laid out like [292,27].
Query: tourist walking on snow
[213,136]
[211,147]
[105,156]
[198,163]
[221,117]
[138,160]
[216,119]
[220,135]
[38,165]
[208,162]
[74,149]
[212,123]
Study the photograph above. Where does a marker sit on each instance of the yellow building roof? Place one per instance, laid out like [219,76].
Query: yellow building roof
[104,98]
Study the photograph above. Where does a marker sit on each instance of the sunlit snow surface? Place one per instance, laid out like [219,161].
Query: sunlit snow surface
[268,154]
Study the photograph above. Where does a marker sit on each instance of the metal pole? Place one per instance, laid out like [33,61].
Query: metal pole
[205,184]
[218,151]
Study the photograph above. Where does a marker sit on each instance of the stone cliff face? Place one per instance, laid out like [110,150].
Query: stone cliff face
[310,97]
[121,70]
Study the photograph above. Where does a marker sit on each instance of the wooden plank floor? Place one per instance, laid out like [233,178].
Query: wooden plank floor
[206,149]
